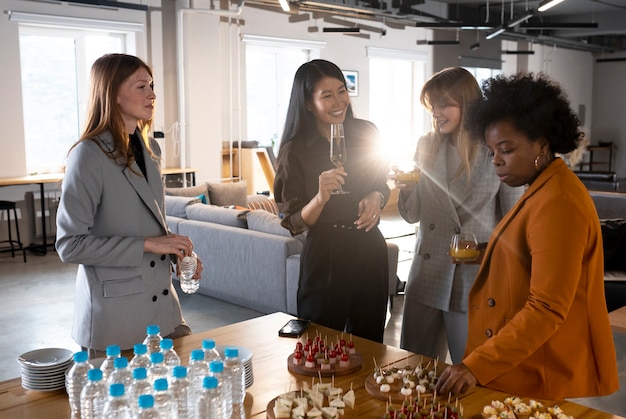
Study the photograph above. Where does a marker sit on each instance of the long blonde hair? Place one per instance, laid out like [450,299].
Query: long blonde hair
[107,75]
[454,84]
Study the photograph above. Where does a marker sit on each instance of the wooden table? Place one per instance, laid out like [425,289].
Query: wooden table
[271,375]
[40,180]
[618,320]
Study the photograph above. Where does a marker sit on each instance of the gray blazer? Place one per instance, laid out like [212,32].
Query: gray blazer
[444,208]
[104,215]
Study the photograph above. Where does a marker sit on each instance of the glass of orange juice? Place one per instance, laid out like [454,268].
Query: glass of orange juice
[464,248]
[405,172]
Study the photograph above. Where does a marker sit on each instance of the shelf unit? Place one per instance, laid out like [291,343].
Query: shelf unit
[591,165]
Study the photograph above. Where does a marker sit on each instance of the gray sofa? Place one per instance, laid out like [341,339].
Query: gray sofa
[249,258]
[611,207]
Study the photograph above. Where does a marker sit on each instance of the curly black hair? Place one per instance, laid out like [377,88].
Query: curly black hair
[536,105]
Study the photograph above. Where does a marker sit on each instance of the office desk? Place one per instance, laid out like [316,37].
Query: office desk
[41,180]
[272,376]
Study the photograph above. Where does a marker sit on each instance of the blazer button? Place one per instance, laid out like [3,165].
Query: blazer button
[431,226]
[489,333]
[165,292]
[457,230]
[426,256]
[163,257]
[154,298]
[152,264]
[491,302]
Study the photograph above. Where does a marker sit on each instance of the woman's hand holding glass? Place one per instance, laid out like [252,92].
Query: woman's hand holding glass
[405,174]
[464,248]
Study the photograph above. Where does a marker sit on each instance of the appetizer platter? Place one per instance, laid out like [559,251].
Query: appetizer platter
[400,381]
[514,407]
[424,408]
[318,357]
[319,401]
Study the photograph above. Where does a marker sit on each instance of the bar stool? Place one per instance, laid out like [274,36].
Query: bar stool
[15,244]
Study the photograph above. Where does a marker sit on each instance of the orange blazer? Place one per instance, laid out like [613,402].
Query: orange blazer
[538,324]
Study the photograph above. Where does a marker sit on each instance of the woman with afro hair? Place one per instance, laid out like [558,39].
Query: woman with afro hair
[538,323]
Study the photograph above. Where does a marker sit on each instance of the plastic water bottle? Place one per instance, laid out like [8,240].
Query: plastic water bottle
[164,401]
[139,387]
[146,407]
[186,269]
[108,365]
[157,369]
[210,353]
[121,373]
[140,357]
[182,392]
[94,396]
[210,404]
[196,371]
[75,380]
[170,357]
[224,386]
[153,338]
[235,373]
[117,406]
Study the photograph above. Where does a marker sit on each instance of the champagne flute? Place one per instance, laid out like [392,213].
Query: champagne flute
[338,151]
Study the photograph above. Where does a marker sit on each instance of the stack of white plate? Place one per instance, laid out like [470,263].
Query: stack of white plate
[245,356]
[44,369]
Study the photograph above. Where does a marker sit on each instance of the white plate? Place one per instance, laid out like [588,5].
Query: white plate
[53,369]
[245,354]
[46,357]
[47,387]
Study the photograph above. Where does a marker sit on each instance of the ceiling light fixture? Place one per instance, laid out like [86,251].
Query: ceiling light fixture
[518,52]
[284,5]
[520,20]
[548,4]
[495,33]
[342,30]
[443,42]
[439,24]
[560,25]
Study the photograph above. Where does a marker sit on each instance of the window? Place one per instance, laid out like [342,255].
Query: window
[55,65]
[270,67]
[396,79]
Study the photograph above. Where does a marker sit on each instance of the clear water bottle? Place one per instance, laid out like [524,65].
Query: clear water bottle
[94,396]
[75,380]
[196,371]
[153,338]
[140,357]
[108,365]
[157,369]
[121,373]
[224,386]
[146,408]
[235,373]
[210,404]
[139,387]
[164,401]
[181,388]
[117,406]
[186,269]
[210,353]
[170,357]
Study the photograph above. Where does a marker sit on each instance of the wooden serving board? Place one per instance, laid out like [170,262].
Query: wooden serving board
[348,411]
[373,389]
[356,362]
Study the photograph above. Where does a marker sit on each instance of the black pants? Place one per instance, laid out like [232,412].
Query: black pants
[344,280]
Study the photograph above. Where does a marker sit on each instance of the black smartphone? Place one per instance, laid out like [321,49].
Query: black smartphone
[294,328]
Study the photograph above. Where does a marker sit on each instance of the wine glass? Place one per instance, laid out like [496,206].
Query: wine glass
[405,172]
[338,151]
[464,248]
[186,269]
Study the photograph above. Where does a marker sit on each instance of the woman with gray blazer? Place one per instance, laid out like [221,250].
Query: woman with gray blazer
[111,218]
[458,191]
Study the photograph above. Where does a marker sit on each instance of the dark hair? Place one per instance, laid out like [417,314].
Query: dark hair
[534,104]
[103,114]
[299,121]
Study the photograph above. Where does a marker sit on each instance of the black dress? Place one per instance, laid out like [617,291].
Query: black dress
[343,271]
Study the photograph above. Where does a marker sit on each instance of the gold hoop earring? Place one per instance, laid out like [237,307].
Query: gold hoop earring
[537,160]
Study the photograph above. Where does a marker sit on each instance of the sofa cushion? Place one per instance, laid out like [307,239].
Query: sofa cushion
[218,215]
[176,205]
[224,194]
[614,243]
[267,222]
[191,191]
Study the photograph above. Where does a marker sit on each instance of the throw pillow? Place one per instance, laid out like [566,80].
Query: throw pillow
[265,204]
[191,191]
[218,215]
[176,206]
[267,222]
[225,194]
[614,243]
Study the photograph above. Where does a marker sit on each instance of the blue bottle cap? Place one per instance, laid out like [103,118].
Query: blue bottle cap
[140,373]
[113,350]
[208,344]
[116,390]
[231,352]
[167,343]
[120,362]
[216,366]
[81,356]
[209,382]
[197,355]
[146,401]
[156,357]
[152,329]
[140,349]
[94,374]
[160,384]
[179,371]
